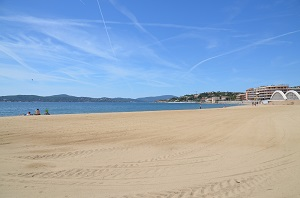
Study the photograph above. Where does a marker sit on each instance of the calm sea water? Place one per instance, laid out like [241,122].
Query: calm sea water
[21,108]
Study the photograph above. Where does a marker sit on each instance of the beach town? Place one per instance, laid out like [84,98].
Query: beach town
[149,99]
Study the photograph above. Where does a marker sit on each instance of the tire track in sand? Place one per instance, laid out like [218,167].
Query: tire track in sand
[238,186]
[69,154]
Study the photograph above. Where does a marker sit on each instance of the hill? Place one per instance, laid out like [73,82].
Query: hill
[60,98]
[155,98]
[202,97]
[68,98]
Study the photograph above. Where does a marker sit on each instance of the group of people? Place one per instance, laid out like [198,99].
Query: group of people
[38,112]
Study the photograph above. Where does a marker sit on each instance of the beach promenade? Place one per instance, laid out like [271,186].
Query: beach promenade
[243,151]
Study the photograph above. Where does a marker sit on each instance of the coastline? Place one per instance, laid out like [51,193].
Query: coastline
[124,112]
[19,109]
[237,151]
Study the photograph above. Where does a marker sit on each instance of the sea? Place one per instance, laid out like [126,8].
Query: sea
[54,108]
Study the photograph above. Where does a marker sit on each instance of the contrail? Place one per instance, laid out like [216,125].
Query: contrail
[134,20]
[241,48]
[106,29]
[82,2]
[17,59]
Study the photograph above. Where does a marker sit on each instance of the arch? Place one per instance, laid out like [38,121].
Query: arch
[292,95]
[278,95]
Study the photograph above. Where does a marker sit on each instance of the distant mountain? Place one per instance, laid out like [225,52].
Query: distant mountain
[67,98]
[155,98]
[60,98]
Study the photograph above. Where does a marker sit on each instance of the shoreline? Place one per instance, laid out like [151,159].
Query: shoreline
[221,106]
[123,112]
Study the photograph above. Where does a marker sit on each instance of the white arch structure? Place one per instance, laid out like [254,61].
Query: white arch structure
[278,95]
[290,95]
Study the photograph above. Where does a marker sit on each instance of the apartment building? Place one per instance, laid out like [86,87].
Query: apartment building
[296,88]
[241,97]
[265,92]
[251,94]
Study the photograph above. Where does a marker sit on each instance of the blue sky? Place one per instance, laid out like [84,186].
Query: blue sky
[138,48]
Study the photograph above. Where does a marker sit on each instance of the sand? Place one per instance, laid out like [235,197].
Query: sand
[230,152]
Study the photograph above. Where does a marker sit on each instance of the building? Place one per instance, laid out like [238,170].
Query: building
[241,97]
[296,88]
[250,94]
[265,92]
[208,100]
[215,99]
[224,98]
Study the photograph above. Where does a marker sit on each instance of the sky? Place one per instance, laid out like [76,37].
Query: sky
[140,48]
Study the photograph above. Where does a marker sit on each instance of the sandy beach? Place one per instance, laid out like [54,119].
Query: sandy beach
[230,152]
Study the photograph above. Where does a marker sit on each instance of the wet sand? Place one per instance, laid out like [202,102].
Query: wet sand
[230,152]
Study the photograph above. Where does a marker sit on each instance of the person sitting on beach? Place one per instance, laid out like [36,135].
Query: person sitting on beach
[37,112]
[28,114]
[46,112]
